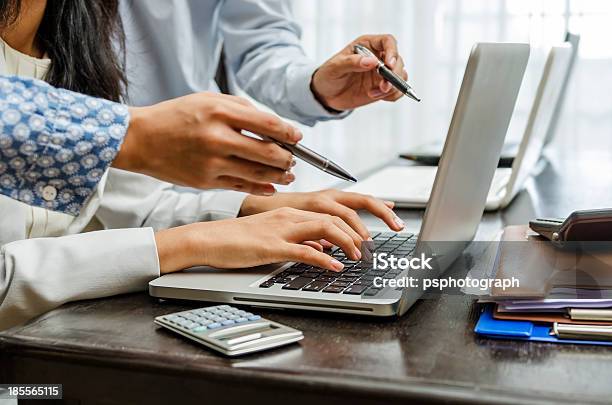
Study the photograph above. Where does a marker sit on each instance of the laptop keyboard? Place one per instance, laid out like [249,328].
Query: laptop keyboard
[357,277]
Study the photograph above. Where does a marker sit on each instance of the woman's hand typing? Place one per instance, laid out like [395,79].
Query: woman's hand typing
[332,202]
[279,235]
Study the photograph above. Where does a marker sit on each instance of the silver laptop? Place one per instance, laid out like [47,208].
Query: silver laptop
[484,107]
[507,182]
[429,154]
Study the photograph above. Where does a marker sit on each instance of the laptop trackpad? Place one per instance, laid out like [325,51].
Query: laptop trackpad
[214,279]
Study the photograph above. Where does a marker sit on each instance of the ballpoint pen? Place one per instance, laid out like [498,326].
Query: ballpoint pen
[581,332]
[316,160]
[590,314]
[388,74]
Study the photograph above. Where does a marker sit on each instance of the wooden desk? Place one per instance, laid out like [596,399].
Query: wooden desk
[109,351]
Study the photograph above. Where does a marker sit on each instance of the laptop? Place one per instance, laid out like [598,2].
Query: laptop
[429,154]
[482,113]
[507,182]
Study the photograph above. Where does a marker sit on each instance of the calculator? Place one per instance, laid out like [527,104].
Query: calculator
[229,330]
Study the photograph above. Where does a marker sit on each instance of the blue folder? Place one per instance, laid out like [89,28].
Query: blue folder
[522,330]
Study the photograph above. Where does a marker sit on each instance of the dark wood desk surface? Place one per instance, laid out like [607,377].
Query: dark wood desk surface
[109,351]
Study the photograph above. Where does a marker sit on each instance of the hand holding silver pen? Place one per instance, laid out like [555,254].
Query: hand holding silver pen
[319,161]
[388,74]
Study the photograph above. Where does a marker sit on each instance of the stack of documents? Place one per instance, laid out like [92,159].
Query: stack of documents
[556,327]
[564,297]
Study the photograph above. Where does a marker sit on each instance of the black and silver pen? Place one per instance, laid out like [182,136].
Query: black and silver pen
[318,161]
[388,74]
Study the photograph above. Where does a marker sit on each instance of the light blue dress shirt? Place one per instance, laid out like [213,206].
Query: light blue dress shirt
[173,49]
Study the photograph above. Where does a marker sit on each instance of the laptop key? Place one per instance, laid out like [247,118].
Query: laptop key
[297,284]
[349,262]
[315,286]
[342,284]
[355,289]
[333,289]
[316,270]
[266,284]
[370,292]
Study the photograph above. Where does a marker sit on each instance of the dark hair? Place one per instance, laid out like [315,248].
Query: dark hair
[84,40]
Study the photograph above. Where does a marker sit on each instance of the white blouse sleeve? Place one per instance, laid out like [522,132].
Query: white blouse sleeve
[133,200]
[38,275]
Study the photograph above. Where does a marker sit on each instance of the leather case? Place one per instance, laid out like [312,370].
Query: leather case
[539,266]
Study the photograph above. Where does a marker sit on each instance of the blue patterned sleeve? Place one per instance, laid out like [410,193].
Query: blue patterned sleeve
[55,144]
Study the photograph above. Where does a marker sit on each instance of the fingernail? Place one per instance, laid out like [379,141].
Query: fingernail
[376,93]
[268,190]
[392,61]
[385,87]
[288,177]
[368,61]
[336,264]
[358,254]
[398,221]
[326,244]
[297,135]
[293,162]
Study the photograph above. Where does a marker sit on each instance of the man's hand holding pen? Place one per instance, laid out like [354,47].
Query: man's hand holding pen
[349,80]
[211,142]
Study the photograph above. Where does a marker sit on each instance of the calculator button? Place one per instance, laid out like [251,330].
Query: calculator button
[234,317]
[200,329]
[241,320]
[228,322]
[254,317]
[248,315]
[226,307]
[190,325]
[214,325]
